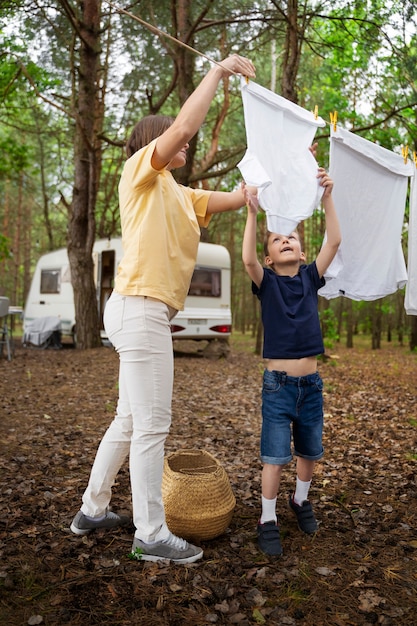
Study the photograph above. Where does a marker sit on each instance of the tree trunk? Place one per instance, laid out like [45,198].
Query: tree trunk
[81,229]
[323,307]
[413,332]
[185,62]
[292,52]
[259,337]
[400,317]
[340,311]
[376,325]
[349,323]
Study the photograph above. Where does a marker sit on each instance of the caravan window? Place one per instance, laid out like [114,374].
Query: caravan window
[206,281]
[50,281]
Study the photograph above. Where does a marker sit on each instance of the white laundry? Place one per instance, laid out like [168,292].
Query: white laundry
[410,302]
[278,160]
[370,189]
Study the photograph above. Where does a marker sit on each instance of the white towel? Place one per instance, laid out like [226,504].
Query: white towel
[410,301]
[278,160]
[370,188]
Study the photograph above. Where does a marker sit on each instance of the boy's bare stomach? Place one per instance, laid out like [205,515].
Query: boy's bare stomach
[293,367]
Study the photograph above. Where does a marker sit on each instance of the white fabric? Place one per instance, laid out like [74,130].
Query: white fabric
[39,330]
[278,160]
[410,301]
[370,189]
[139,328]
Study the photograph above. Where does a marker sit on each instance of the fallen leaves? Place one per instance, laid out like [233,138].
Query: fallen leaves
[360,568]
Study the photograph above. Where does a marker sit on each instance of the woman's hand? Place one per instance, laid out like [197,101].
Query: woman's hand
[236,64]
[251,197]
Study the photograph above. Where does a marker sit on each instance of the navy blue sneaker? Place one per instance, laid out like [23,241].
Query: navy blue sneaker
[269,540]
[305,516]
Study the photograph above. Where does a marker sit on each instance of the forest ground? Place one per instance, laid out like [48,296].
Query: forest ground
[360,568]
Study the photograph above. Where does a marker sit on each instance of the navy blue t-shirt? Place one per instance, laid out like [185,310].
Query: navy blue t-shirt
[290,313]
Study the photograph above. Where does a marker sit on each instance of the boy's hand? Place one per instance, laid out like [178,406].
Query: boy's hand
[251,197]
[325,181]
[313,149]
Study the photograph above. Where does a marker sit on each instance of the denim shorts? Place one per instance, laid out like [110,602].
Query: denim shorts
[291,405]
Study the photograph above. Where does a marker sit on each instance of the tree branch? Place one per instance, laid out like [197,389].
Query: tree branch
[26,73]
[361,129]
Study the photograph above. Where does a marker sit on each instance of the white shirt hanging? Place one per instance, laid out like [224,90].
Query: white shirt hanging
[370,188]
[410,301]
[278,160]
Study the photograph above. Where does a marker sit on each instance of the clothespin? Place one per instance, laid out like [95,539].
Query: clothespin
[415,158]
[247,80]
[316,112]
[333,119]
[404,152]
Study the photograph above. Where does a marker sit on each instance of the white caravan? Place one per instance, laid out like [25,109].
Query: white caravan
[207,313]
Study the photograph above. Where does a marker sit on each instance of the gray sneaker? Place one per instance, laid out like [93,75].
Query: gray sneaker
[173,548]
[82,525]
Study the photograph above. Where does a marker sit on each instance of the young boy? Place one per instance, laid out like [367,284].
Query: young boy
[292,387]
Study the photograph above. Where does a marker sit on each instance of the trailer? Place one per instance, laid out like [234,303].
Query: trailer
[207,313]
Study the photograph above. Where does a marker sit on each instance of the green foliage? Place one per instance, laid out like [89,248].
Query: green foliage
[15,156]
[136,555]
[4,248]
[329,327]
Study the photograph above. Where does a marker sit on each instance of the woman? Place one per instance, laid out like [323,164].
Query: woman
[160,232]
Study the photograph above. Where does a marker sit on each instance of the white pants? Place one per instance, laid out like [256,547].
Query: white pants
[139,329]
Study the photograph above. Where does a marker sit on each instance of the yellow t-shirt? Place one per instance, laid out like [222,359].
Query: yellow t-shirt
[160,231]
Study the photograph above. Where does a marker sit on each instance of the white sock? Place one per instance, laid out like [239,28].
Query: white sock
[301,491]
[268,510]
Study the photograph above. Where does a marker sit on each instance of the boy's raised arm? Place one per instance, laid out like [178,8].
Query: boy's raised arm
[333,234]
[249,256]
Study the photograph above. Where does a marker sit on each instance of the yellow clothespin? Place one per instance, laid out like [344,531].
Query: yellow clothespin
[333,119]
[247,80]
[316,112]
[404,152]
[415,158]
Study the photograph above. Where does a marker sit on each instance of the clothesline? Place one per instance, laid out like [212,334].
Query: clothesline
[370,191]
[158,31]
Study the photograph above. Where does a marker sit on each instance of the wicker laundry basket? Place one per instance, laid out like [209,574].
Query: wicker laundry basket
[197,495]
